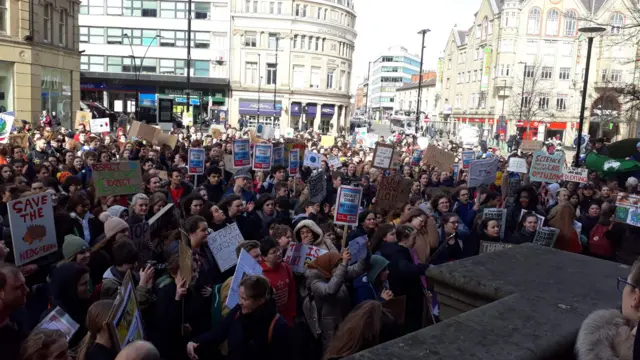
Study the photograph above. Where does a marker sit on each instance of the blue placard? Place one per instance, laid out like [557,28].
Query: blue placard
[262,155]
[196,161]
[240,151]
[278,155]
[348,205]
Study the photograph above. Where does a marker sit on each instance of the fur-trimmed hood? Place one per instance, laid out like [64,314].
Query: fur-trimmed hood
[321,241]
[605,335]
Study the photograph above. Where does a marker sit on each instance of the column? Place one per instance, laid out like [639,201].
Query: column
[343,116]
[316,121]
[334,121]
[303,116]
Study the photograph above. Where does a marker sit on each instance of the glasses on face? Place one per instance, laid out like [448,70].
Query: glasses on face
[622,283]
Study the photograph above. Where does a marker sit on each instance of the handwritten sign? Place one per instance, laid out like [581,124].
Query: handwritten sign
[518,165]
[196,161]
[33,231]
[491,246]
[348,205]
[262,156]
[530,145]
[317,186]
[223,245]
[388,192]
[440,158]
[546,168]
[299,255]
[59,320]
[467,157]
[294,161]
[240,150]
[497,214]
[334,161]
[100,125]
[483,172]
[327,140]
[246,266]
[82,118]
[580,175]
[382,156]
[546,236]
[117,178]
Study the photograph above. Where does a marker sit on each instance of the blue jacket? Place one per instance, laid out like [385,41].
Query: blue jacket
[465,212]
[364,290]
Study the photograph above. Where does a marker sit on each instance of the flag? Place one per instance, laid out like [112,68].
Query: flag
[607,165]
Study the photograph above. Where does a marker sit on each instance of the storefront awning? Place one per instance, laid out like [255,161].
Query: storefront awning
[263,108]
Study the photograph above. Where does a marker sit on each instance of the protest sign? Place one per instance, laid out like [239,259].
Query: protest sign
[546,168]
[185,258]
[497,214]
[358,249]
[294,161]
[540,217]
[59,320]
[482,172]
[223,245]
[388,192]
[327,140]
[370,141]
[246,266]
[518,165]
[299,255]
[240,151]
[628,209]
[312,159]
[382,156]
[530,145]
[21,140]
[361,135]
[262,156]
[100,125]
[217,131]
[141,237]
[467,157]
[580,175]
[278,155]
[139,130]
[197,158]
[33,230]
[416,157]
[396,160]
[348,205]
[397,306]
[6,127]
[162,138]
[125,321]
[117,178]
[155,221]
[334,161]
[265,131]
[492,246]
[84,118]
[456,171]
[440,158]
[546,236]
[317,186]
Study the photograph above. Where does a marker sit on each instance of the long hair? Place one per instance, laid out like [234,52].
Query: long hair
[37,345]
[378,237]
[97,316]
[359,331]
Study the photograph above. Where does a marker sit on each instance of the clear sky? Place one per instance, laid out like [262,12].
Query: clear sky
[381,24]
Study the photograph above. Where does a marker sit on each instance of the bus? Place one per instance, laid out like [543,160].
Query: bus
[403,121]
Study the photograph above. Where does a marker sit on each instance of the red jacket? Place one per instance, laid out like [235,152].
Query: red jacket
[284,287]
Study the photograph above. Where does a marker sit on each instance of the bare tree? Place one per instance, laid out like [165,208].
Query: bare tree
[531,99]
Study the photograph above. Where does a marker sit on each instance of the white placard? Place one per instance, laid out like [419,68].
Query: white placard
[300,255]
[117,105]
[518,165]
[223,245]
[99,125]
[382,156]
[311,159]
[334,161]
[246,266]
[33,231]
[580,175]
[482,172]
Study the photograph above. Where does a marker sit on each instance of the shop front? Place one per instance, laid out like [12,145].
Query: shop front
[310,111]
[118,97]
[56,93]
[6,86]
[260,112]
[327,112]
[209,103]
[542,130]
[295,114]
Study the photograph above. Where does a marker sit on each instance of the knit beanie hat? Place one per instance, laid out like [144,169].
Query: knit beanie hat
[113,226]
[376,264]
[116,210]
[72,245]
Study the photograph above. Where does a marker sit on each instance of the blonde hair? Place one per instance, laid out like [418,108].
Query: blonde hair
[97,316]
[134,201]
[37,345]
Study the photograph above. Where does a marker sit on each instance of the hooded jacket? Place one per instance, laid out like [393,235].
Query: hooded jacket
[64,294]
[320,240]
[365,284]
[111,281]
[605,335]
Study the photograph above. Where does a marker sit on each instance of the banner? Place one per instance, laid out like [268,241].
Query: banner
[416,157]
[467,157]
[246,266]
[486,68]
[223,245]
[491,246]
[300,255]
[317,186]
[312,159]
[497,214]
[240,150]
[100,125]
[518,165]
[262,156]
[546,236]
[117,178]
[440,158]
[482,172]
[382,156]
[546,168]
[197,159]
[33,231]
[606,165]
[294,161]
[348,205]
[530,145]
[628,209]
[388,191]
[278,155]
[580,175]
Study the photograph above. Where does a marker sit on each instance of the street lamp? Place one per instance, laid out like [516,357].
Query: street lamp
[259,86]
[590,32]
[138,70]
[423,32]
[524,77]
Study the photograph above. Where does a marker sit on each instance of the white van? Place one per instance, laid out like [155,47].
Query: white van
[469,137]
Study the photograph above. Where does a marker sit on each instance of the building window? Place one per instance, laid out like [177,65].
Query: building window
[546,73]
[173,10]
[247,6]
[330,73]
[251,73]
[319,15]
[326,13]
[3,15]
[603,75]
[616,22]
[561,102]
[553,22]
[570,21]
[298,8]
[84,34]
[48,16]
[303,41]
[305,10]
[140,8]
[295,41]
[533,23]
[298,76]
[201,10]
[526,101]
[529,71]
[114,7]
[92,7]
[616,76]
[272,8]
[543,102]
[323,41]
[485,28]
[315,77]
[114,36]
[565,73]
[271,74]
[201,40]
[250,39]
[92,63]
[273,41]
[200,68]
[317,44]
[255,7]
[96,35]
[172,67]
[62,28]
[310,43]
[279,8]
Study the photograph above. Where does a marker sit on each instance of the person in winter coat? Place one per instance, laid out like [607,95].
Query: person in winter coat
[562,219]
[465,208]
[366,226]
[280,277]
[253,329]
[489,230]
[70,292]
[526,229]
[214,184]
[590,218]
[373,284]
[85,225]
[426,235]
[526,199]
[97,345]
[308,232]
[452,246]
[266,210]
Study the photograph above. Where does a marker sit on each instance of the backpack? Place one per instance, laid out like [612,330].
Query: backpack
[598,244]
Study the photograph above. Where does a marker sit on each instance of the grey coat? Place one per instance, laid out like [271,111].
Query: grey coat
[605,335]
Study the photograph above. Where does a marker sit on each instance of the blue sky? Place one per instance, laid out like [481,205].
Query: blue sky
[381,24]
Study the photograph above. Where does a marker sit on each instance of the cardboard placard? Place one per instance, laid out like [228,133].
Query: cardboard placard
[156,219]
[546,236]
[546,168]
[317,183]
[83,117]
[397,307]
[223,245]
[580,175]
[125,320]
[300,255]
[327,140]
[518,165]
[348,205]
[497,214]
[483,172]
[492,246]
[246,266]
[117,178]
[21,140]
[33,231]
[143,131]
[440,158]
[388,192]
[530,145]
[162,138]
[382,156]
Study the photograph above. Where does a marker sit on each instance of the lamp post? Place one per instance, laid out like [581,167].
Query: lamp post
[275,82]
[424,33]
[590,32]
[368,88]
[137,70]
[524,77]
[259,86]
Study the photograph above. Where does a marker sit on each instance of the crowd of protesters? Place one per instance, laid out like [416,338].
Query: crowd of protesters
[333,309]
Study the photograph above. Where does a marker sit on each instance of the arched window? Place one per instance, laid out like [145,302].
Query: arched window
[553,22]
[485,28]
[616,22]
[533,24]
[570,23]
